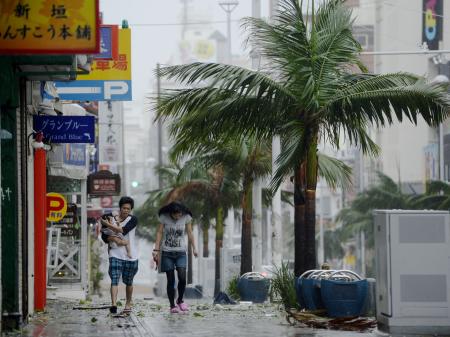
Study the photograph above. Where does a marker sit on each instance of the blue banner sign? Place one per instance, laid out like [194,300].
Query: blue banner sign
[106,43]
[74,154]
[66,129]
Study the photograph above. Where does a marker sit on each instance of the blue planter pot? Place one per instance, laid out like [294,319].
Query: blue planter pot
[308,291]
[253,289]
[298,292]
[344,299]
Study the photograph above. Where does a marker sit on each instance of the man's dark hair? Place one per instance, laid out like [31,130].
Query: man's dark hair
[126,200]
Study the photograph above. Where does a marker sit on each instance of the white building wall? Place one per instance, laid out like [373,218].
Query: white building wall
[399,28]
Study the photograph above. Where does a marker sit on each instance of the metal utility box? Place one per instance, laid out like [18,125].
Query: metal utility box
[413,271]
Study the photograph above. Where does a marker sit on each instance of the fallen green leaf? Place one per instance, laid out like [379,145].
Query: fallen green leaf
[197,314]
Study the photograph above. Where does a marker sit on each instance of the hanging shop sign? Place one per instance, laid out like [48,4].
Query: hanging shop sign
[49,27]
[56,207]
[66,129]
[103,183]
[109,79]
[432,23]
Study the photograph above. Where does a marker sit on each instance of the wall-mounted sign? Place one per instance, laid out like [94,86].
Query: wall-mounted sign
[69,223]
[432,23]
[56,207]
[66,129]
[107,80]
[103,183]
[49,27]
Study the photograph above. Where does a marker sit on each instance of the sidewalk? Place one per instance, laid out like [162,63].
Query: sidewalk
[151,318]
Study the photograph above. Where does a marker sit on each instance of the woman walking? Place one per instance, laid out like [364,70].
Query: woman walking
[170,247]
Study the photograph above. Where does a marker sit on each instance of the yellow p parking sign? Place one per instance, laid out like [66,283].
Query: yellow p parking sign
[56,207]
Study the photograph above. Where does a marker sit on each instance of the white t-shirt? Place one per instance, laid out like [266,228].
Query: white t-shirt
[174,233]
[129,232]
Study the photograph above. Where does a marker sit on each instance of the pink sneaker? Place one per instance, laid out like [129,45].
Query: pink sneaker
[174,310]
[183,306]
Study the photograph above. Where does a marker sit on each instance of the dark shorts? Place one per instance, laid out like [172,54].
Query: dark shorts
[172,260]
[126,269]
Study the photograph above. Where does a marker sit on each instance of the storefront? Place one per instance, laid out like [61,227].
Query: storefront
[19,99]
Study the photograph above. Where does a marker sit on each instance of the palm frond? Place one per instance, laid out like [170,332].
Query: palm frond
[335,172]
[381,98]
[334,46]
[437,187]
[293,143]
[205,112]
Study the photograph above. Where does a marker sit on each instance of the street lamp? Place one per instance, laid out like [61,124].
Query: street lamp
[441,79]
[228,7]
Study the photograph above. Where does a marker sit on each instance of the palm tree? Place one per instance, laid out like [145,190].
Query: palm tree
[209,189]
[386,194]
[357,218]
[308,92]
[247,159]
[436,196]
[218,192]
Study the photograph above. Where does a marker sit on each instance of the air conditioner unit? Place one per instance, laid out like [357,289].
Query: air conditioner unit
[413,271]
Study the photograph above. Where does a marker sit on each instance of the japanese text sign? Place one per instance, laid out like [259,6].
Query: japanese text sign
[69,223]
[103,183]
[118,68]
[107,80]
[49,27]
[66,129]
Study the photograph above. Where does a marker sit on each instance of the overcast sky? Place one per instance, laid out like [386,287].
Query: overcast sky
[155,33]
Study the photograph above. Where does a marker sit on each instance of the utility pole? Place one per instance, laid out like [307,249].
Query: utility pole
[257,193]
[277,228]
[228,7]
[160,130]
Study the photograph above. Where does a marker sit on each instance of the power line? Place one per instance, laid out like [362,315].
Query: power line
[179,24]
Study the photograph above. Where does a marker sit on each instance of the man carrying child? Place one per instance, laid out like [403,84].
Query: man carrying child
[119,232]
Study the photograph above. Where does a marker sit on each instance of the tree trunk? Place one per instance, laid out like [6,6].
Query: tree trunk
[299,221]
[305,211]
[219,242]
[246,237]
[310,209]
[205,233]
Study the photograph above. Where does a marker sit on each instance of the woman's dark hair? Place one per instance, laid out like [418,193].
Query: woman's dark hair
[174,207]
[126,200]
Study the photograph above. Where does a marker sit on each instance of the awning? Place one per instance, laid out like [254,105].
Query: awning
[47,67]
